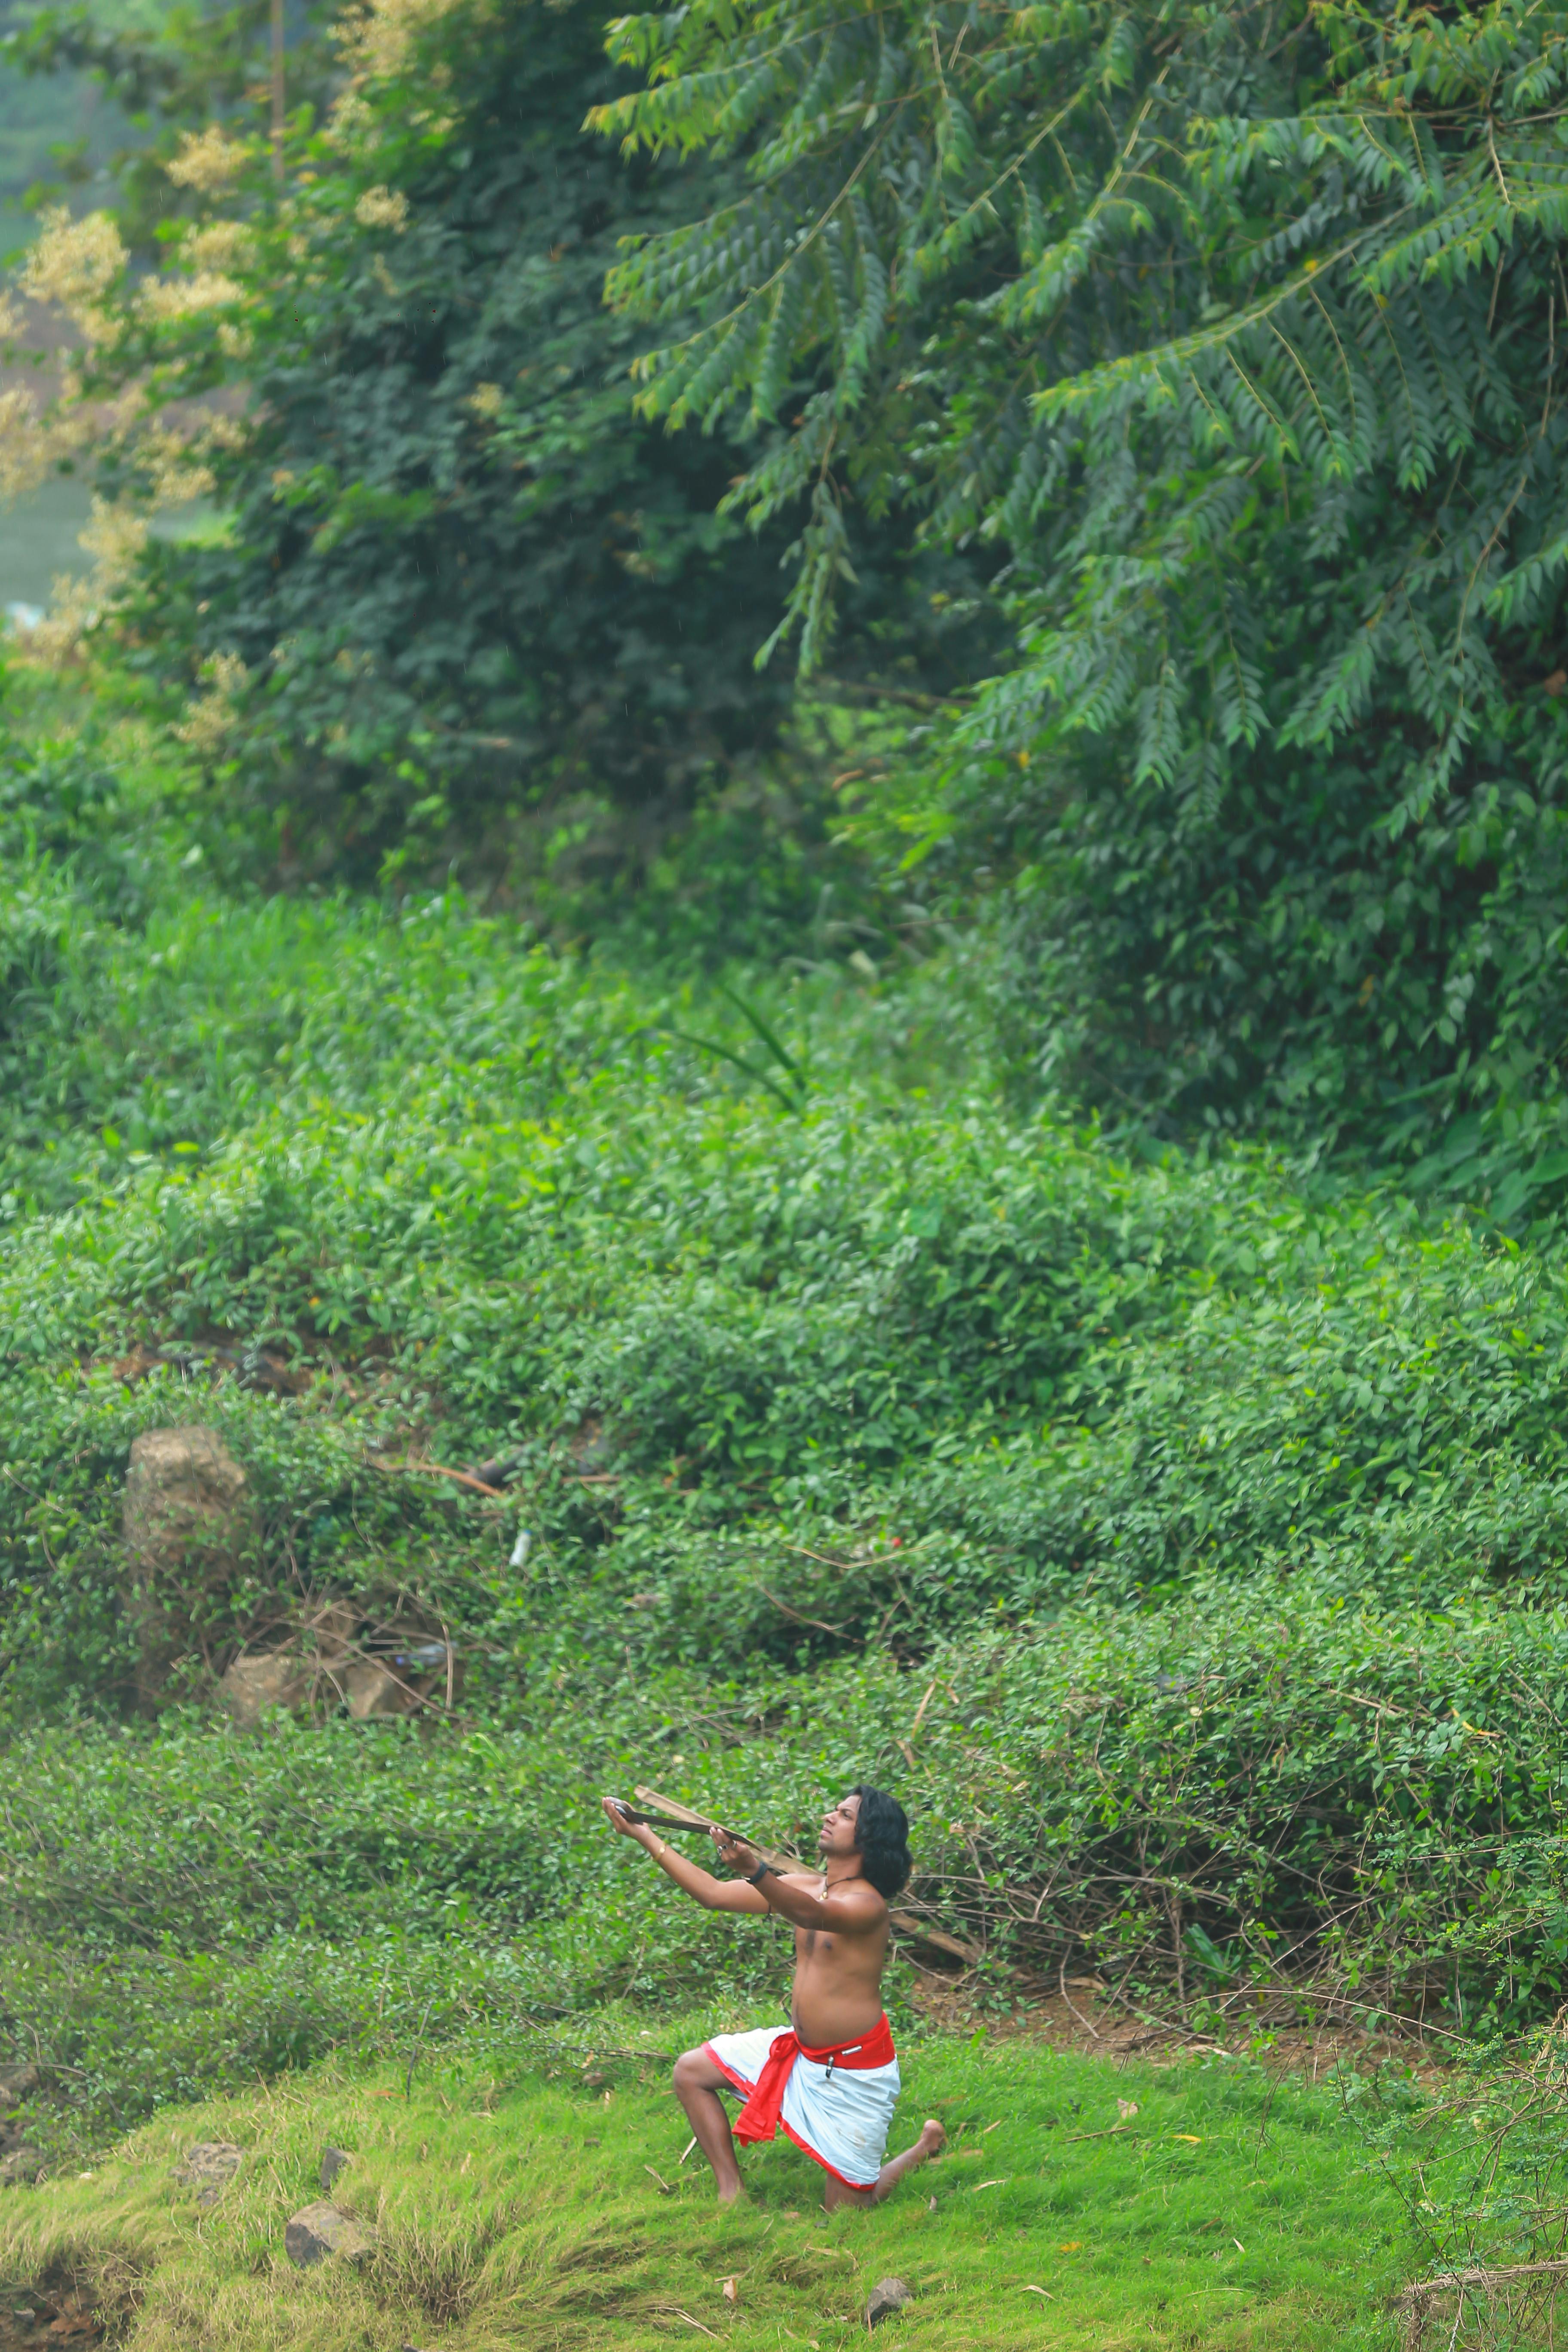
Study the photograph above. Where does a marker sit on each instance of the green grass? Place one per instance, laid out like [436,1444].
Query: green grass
[521,2209]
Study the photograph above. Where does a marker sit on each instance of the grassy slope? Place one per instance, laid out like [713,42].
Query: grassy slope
[521,2211]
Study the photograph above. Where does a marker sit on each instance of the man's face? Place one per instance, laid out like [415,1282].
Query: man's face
[840,1829]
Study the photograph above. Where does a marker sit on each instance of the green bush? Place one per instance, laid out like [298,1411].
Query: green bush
[1263,1797]
[813,1403]
[1043,1370]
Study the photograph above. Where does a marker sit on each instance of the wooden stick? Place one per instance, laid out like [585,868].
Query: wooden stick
[674,1815]
[665,1812]
[919,1933]
[439,1470]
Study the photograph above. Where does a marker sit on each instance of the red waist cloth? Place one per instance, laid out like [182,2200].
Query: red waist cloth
[759,2118]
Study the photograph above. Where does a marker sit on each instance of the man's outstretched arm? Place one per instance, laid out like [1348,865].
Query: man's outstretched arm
[854,1909]
[713,1893]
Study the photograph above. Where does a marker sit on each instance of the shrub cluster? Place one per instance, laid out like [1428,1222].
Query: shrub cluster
[1254,1802]
[1218,1521]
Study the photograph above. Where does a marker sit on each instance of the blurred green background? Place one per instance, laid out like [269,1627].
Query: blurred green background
[58,134]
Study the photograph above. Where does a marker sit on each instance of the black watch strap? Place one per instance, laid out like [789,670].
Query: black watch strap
[761,1871]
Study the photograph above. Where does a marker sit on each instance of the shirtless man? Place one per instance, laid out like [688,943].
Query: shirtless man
[833,2080]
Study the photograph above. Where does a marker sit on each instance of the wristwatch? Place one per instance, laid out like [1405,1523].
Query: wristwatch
[760,1872]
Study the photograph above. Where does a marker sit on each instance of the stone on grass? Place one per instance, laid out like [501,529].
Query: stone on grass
[333,2160]
[188,1504]
[888,2294]
[207,2166]
[317,2231]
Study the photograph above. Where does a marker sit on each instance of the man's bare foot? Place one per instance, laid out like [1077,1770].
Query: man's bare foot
[932,2137]
[736,2196]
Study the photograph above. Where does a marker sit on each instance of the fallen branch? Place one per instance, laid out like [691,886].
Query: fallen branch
[920,1710]
[1426,2302]
[439,1470]
[793,1614]
[1480,2277]
[917,1932]
[1086,2023]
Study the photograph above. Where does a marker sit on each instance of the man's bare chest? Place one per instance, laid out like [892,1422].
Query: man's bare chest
[826,1952]
[810,1941]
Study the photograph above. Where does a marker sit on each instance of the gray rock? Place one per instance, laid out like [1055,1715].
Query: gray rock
[207,2166]
[253,1684]
[23,2164]
[189,1519]
[318,2231]
[333,2161]
[374,1690]
[888,2295]
[17,2084]
[309,1670]
[187,1502]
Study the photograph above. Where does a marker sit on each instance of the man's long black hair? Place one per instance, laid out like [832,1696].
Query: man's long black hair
[882,1832]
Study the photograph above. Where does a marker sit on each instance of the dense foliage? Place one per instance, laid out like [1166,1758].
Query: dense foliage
[1224,347]
[461,579]
[1220,1528]
[1183,1534]
[154,70]
[467,611]
[1238,333]
[1252,1815]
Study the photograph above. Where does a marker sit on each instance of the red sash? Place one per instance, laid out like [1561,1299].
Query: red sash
[759,2118]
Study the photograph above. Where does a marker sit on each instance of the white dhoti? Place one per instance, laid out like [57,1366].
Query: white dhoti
[835,2104]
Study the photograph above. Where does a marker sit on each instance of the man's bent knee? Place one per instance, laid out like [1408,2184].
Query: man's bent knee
[694,2071]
